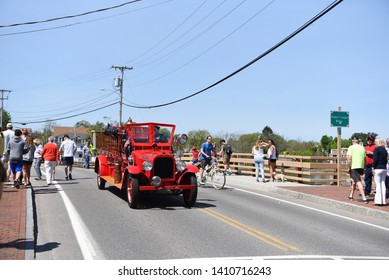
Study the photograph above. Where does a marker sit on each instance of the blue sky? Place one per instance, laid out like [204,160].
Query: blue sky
[177,48]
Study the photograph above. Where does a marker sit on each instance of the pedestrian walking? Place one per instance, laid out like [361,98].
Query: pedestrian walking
[272,155]
[37,158]
[86,153]
[380,159]
[28,158]
[50,155]
[259,161]
[17,147]
[68,148]
[225,153]
[369,149]
[356,162]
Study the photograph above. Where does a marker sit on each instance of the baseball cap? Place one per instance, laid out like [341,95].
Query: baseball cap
[354,140]
[9,125]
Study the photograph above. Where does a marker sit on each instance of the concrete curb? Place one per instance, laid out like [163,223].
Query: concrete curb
[333,203]
[30,241]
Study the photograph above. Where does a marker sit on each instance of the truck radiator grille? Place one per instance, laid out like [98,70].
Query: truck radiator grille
[164,167]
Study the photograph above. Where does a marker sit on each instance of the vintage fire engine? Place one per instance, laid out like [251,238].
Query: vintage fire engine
[140,157]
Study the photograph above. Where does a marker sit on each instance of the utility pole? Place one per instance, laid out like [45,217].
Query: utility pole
[121,68]
[2,91]
[339,147]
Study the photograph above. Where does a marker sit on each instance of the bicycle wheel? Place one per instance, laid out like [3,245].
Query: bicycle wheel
[218,179]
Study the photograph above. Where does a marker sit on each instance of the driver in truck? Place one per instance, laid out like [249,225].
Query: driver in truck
[159,137]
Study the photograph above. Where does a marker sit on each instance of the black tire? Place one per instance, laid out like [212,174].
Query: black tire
[132,192]
[100,182]
[190,196]
[176,192]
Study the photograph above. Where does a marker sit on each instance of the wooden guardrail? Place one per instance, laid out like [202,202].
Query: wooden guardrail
[313,170]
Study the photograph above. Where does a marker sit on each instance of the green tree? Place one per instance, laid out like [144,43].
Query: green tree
[197,137]
[47,130]
[83,123]
[325,142]
[245,143]
[267,131]
[6,119]
[363,136]
[98,126]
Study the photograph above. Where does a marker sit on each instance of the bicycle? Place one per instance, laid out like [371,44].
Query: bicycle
[218,177]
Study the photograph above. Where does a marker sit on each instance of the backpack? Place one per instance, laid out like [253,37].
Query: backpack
[228,149]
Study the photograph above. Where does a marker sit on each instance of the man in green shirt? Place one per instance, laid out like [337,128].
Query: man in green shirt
[356,161]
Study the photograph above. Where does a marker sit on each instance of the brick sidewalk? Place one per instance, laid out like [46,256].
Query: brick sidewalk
[336,193]
[13,223]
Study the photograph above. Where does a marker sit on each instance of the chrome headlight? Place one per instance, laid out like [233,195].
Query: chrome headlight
[156,181]
[181,165]
[147,165]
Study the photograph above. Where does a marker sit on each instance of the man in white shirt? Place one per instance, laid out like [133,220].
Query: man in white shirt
[68,147]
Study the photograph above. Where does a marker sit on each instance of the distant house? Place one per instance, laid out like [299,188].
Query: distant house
[78,134]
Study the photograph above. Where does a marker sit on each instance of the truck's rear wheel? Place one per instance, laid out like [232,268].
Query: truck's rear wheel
[132,192]
[190,196]
[100,182]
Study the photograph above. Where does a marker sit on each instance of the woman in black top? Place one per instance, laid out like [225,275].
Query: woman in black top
[380,156]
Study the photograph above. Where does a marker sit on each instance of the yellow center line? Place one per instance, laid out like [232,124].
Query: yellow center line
[275,242]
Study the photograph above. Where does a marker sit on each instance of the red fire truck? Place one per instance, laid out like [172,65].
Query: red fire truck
[140,157]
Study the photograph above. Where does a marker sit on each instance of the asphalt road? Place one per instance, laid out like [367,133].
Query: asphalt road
[76,221]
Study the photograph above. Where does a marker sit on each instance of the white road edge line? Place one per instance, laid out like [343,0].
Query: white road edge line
[84,237]
[311,208]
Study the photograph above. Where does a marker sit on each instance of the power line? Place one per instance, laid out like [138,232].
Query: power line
[169,34]
[71,16]
[308,23]
[68,117]
[207,50]
[81,22]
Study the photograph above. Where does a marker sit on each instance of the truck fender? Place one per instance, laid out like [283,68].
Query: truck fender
[192,168]
[135,170]
[185,174]
[101,166]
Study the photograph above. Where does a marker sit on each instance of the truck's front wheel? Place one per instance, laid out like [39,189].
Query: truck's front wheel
[132,192]
[190,196]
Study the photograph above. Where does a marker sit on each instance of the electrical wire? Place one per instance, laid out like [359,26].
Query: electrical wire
[82,22]
[71,16]
[204,52]
[186,32]
[68,117]
[168,35]
[293,34]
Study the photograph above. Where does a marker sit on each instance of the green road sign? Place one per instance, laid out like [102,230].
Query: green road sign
[339,118]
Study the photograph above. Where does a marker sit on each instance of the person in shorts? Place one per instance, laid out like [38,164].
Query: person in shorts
[16,148]
[68,148]
[225,156]
[356,155]
[205,156]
